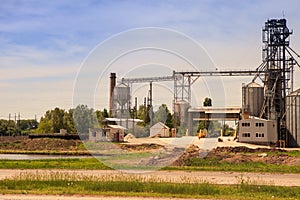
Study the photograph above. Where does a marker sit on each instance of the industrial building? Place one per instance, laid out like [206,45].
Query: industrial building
[256,130]
[273,102]
[112,133]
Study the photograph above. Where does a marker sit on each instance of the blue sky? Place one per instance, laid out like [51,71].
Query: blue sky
[43,43]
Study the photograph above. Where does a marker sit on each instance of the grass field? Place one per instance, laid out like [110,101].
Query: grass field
[62,183]
[196,164]
[199,164]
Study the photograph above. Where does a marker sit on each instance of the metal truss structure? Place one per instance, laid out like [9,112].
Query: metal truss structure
[276,72]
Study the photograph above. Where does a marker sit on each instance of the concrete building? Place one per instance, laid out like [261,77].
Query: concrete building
[112,133]
[159,130]
[257,130]
[97,135]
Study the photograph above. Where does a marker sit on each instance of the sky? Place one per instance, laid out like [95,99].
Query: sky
[45,44]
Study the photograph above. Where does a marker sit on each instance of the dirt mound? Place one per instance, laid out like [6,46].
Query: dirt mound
[191,152]
[244,154]
[140,147]
[243,149]
[164,157]
[40,144]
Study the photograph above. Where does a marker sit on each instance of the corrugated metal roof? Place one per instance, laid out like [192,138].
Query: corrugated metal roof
[123,120]
[117,127]
[215,109]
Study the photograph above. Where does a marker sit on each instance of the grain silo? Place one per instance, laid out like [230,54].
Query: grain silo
[181,111]
[252,98]
[293,118]
[121,98]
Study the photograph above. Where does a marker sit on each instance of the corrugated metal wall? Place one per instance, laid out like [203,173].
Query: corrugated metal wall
[293,118]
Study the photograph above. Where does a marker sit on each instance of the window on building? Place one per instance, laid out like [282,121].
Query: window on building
[103,134]
[246,124]
[259,135]
[260,124]
[94,134]
[245,134]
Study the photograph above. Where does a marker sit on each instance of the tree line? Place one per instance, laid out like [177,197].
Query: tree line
[78,119]
[81,118]
[18,127]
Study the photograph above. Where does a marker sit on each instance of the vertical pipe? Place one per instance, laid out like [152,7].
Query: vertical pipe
[136,108]
[150,105]
[111,92]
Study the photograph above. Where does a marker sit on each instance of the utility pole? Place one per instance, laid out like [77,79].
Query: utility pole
[15,123]
[18,123]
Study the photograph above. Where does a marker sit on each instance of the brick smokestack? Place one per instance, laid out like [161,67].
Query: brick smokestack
[111,92]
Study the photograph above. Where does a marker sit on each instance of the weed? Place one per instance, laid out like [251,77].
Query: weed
[70,183]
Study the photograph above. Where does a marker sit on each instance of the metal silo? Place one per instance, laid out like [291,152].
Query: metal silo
[122,94]
[252,98]
[121,102]
[293,118]
[181,111]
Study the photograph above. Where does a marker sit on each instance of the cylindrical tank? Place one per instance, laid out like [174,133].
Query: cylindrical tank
[122,94]
[252,98]
[181,111]
[111,91]
[293,118]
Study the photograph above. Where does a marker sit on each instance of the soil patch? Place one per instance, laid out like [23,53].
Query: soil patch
[243,154]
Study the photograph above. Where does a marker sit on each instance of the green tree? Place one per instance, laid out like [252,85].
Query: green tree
[45,126]
[84,118]
[3,126]
[143,114]
[28,124]
[56,119]
[207,102]
[205,124]
[101,115]
[163,115]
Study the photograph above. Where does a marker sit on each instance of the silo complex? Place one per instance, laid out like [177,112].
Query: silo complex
[293,118]
[253,98]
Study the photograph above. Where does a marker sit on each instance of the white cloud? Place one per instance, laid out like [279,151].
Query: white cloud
[44,42]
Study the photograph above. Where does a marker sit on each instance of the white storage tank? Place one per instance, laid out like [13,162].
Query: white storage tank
[293,118]
[252,98]
[122,94]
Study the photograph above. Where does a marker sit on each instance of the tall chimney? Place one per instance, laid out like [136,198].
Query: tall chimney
[111,92]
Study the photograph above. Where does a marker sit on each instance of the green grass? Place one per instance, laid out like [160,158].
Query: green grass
[70,163]
[195,164]
[64,183]
[199,164]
